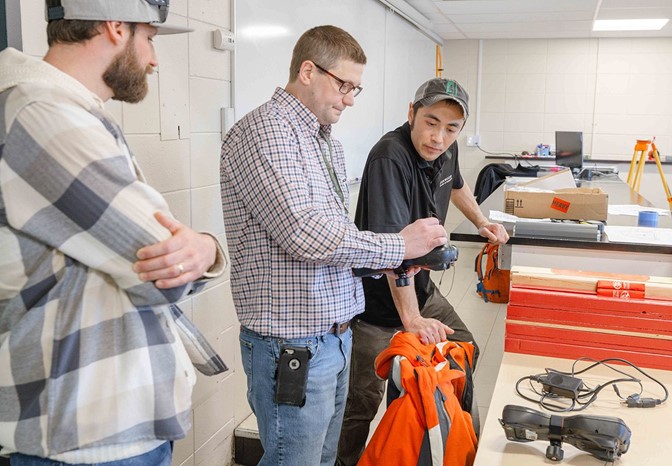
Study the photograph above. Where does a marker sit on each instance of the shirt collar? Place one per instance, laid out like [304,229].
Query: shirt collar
[28,69]
[67,81]
[305,116]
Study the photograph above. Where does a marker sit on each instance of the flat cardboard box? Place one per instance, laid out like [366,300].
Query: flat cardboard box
[552,181]
[566,203]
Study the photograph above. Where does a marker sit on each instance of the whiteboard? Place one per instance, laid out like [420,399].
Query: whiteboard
[399,59]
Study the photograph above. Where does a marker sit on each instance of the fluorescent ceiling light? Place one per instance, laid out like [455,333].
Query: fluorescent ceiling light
[629,24]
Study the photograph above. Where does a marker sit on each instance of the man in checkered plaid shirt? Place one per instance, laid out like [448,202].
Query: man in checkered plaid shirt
[292,245]
[96,361]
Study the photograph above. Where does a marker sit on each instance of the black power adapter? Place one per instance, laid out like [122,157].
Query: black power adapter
[557,384]
[561,384]
[634,401]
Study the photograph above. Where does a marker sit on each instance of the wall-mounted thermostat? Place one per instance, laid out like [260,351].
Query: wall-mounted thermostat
[223,39]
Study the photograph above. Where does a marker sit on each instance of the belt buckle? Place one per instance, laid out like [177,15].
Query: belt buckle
[340,328]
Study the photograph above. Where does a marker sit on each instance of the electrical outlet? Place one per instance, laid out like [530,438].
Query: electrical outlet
[473,140]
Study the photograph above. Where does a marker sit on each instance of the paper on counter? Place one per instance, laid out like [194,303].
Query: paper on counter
[501,217]
[529,189]
[641,235]
[516,180]
[634,209]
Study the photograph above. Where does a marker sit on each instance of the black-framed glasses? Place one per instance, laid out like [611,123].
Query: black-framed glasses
[346,87]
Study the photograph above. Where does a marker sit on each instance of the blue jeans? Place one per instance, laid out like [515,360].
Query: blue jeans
[292,435]
[160,456]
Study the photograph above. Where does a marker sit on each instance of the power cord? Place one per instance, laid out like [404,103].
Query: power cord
[552,396]
[516,158]
[560,391]
[495,153]
[600,174]
[634,400]
[452,283]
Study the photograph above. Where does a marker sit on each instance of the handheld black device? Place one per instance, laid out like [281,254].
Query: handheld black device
[604,437]
[440,258]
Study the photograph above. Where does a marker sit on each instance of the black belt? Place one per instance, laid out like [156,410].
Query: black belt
[338,329]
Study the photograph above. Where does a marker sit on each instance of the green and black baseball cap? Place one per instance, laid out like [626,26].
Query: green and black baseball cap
[438,89]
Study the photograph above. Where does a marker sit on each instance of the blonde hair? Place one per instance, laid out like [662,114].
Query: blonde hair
[325,45]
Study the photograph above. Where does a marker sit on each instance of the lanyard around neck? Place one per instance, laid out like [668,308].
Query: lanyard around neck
[328,161]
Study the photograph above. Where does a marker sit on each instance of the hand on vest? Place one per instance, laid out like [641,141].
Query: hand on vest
[429,331]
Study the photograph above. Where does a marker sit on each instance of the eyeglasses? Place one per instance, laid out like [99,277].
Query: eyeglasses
[346,87]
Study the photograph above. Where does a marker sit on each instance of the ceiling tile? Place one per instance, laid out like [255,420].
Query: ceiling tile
[523,17]
[512,6]
[636,5]
[539,26]
[445,28]
[423,6]
[635,13]
[486,19]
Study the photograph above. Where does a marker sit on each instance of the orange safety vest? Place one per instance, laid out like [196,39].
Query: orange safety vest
[429,424]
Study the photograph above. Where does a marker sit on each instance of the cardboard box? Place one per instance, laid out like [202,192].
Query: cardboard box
[566,203]
[552,181]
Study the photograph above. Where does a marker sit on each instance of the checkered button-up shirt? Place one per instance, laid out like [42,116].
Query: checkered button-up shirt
[291,242]
[90,356]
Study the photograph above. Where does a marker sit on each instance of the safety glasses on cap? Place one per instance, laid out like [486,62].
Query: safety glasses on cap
[162,6]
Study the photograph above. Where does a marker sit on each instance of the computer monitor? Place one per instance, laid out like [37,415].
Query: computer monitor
[569,149]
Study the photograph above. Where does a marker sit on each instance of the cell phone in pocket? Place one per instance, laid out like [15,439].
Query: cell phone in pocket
[292,375]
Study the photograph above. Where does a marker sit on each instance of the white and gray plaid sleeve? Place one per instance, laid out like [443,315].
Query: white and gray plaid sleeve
[70,185]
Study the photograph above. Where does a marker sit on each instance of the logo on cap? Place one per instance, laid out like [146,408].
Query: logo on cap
[451,87]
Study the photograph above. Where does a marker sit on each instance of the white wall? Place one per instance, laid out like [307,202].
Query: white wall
[614,90]
[389,41]
[175,134]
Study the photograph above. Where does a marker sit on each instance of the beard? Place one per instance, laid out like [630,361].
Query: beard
[126,77]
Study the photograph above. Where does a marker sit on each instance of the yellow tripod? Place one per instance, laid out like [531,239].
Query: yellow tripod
[637,166]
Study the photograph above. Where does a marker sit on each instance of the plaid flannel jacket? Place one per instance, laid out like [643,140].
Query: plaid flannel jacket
[89,355]
[291,242]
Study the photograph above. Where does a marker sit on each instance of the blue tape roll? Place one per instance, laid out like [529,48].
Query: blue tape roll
[647,218]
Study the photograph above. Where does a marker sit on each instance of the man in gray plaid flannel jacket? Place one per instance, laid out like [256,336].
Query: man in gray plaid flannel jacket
[96,361]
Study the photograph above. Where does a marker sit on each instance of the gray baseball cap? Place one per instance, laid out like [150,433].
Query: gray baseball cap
[438,89]
[152,12]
